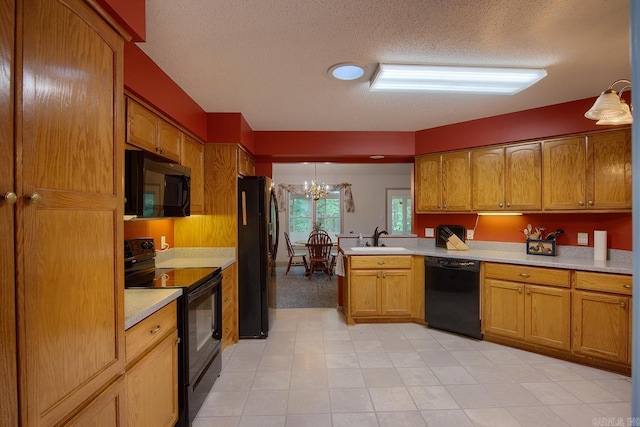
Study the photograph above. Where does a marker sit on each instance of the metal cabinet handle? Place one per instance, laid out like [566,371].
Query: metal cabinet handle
[527,292]
[380,262]
[580,203]
[519,290]
[35,198]
[154,330]
[500,204]
[10,197]
[590,202]
[508,205]
[626,286]
[623,305]
[384,276]
[524,275]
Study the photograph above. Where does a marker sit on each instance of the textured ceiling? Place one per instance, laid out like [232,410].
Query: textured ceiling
[268,59]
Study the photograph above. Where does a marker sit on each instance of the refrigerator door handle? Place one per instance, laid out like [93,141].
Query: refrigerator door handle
[244,208]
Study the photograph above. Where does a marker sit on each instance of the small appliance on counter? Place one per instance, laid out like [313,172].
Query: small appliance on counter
[199,320]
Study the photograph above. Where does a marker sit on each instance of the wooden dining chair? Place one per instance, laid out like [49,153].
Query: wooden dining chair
[319,246]
[295,254]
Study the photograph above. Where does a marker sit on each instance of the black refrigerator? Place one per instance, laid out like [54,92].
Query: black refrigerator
[257,247]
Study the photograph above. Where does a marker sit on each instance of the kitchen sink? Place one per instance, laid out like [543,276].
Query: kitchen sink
[379,249]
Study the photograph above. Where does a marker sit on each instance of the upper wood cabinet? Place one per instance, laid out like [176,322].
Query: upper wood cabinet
[507,178]
[148,131]
[70,140]
[443,182]
[592,172]
[193,157]
[246,165]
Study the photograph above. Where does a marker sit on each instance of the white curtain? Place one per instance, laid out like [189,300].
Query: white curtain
[299,189]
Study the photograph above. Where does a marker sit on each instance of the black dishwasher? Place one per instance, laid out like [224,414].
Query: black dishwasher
[452,295]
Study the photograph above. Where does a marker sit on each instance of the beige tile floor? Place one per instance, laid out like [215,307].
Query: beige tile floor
[314,370]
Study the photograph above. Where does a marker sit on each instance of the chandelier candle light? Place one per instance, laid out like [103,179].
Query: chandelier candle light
[315,191]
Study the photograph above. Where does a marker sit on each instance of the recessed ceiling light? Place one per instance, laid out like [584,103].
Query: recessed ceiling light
[432,78]
[346,71]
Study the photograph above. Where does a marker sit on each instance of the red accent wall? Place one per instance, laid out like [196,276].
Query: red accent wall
[509,228]
[333,144]
[130,14]
[544,122]
[145,79]
[230,127]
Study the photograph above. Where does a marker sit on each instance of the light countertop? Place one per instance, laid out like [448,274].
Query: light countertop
[568,257]
[141,303]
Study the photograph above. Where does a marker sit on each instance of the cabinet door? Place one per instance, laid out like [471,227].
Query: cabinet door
[365,298]
[70,310]
[564,178]
[395,290]
[193,157]
[142,126]
[609,170]
[106,410]
[229,306]
[152,386]
[487,178]
[503,308]
[601,325]
[548,316]
[169,141]
[428,183]
[523,177]
[456,181]
[246,166]
[8,375]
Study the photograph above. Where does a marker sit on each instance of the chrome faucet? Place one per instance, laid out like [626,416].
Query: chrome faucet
[376,236]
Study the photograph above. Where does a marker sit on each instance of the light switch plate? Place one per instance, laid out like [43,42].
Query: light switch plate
[470,234]
[429,232]
[583,239]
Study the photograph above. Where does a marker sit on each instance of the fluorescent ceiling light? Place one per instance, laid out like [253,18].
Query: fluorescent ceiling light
[448,79]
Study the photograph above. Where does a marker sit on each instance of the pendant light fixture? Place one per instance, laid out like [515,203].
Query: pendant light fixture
[315,191]
[610,108]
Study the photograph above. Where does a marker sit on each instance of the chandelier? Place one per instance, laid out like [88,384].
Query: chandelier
[610,108]
[315,191]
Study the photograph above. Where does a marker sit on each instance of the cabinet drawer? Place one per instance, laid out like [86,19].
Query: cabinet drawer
[615,283]
[380,262]
[150,331]
[519,273]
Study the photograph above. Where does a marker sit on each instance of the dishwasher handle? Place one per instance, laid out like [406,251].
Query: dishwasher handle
[452,263]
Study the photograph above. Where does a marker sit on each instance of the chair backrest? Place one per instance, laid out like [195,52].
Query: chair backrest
[319,245]
[289,245]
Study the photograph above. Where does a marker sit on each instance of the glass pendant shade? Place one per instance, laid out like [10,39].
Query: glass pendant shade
[625,119]
[607,106]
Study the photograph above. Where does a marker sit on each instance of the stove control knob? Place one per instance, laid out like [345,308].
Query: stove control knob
[147,245]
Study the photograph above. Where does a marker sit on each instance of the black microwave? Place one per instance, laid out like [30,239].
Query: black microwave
[155,189]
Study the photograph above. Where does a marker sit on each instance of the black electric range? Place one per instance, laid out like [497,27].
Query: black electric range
[199,320]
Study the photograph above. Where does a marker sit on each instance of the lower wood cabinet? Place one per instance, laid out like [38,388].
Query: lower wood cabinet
[535,313]
[152,370]
[229,307]
[108,409]
[379,287]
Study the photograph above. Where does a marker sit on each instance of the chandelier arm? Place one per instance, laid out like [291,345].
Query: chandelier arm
[626,81]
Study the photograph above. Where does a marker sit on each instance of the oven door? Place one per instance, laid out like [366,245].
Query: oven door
[204,327]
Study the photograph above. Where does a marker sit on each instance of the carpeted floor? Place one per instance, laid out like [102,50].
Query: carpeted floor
[295,290]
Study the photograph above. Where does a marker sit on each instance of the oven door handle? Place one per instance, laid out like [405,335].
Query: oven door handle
[203,289]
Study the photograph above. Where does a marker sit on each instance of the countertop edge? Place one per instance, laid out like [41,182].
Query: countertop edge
[141,303]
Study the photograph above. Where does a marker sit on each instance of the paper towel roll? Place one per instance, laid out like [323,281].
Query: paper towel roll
[600,245]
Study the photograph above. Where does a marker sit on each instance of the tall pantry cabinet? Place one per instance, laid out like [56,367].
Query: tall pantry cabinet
[65,93]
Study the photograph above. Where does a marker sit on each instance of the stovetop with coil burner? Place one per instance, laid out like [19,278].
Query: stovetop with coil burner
[140,269]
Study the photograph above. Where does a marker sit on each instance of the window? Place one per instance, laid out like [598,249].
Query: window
[398,211]
[304,213]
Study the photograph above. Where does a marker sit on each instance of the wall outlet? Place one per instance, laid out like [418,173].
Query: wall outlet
[163,242]
[470,234]
[583,239]
[429,232]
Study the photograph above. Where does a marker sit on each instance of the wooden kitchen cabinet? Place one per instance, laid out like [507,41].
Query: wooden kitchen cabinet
[8,355]
[229,306]
[193,157]
[146,130]
[246,165]
[507,178]
[588,172]
[108,409]
[602,316]
[69,140]
[379,286]
[528,304]
[152,370]
[443,182]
